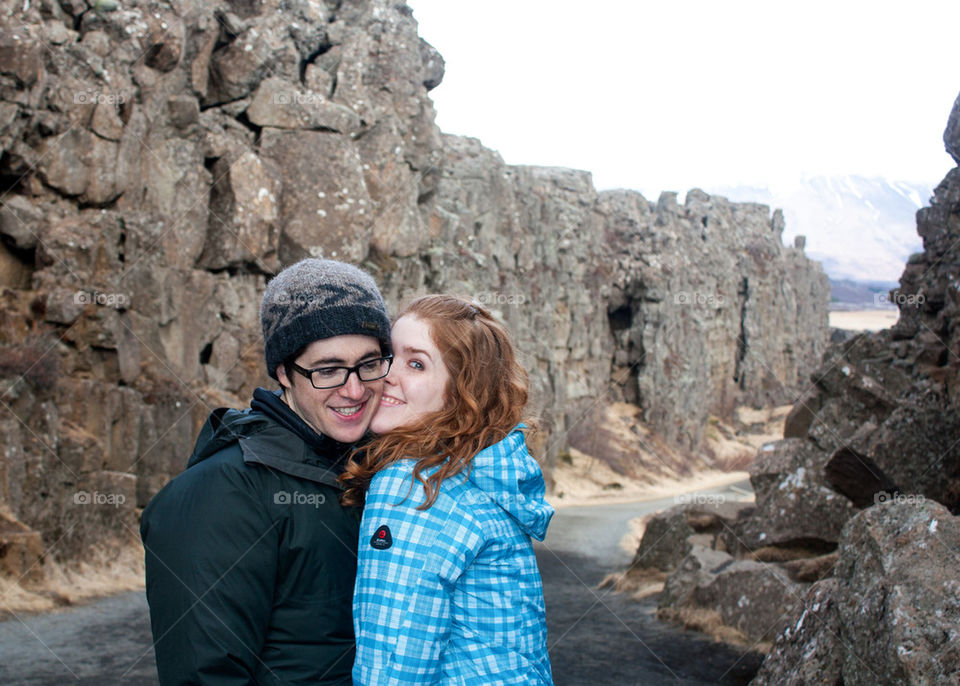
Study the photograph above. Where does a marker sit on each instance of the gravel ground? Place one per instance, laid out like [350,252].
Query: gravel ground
[602,638]
[106,642]
[596,637]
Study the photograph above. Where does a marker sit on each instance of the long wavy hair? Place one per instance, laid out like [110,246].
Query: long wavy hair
[485,399]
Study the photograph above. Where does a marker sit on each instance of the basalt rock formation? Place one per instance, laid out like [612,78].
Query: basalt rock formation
[888,614]
[858,499]
[161,161]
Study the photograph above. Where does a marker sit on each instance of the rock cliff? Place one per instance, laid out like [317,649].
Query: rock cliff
[855,507]
[162,160]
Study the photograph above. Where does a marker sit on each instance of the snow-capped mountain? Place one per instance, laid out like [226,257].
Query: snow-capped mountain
[859,228]
[858,295]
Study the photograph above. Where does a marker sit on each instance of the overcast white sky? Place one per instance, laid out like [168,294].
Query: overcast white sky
[676,94]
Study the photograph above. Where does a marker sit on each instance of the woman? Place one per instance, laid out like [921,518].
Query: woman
[448,590]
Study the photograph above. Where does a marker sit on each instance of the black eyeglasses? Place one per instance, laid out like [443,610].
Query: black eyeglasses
[323,378]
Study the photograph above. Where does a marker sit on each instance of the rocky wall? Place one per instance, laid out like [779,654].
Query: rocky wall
[860,498]
[162,160]
[708,308]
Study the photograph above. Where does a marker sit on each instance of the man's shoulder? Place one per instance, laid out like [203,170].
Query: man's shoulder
[222,471]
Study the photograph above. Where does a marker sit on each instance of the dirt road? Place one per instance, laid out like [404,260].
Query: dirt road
[597,637]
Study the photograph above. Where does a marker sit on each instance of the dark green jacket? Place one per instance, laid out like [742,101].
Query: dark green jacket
[251,560]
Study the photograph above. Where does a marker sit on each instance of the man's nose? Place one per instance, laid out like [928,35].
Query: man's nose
[354,387]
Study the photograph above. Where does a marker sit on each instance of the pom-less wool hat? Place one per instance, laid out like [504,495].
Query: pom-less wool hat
[316,299]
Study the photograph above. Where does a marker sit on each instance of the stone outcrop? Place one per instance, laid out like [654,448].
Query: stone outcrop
[860,496]
[889,614]
[704,575]
[708,309]
[161,161]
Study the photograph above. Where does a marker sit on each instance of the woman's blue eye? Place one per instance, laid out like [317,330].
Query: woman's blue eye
[416,364]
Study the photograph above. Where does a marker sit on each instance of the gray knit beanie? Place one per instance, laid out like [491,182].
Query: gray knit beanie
[316,299]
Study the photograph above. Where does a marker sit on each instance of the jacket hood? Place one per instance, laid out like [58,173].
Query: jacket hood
[263,441]
[510,476]
[223,427]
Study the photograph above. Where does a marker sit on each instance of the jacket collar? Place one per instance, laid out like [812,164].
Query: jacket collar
[272,434]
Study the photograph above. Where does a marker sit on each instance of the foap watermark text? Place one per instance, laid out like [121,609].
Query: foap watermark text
[898,498]
[95,98]
[97,498]
[698,299]
[298,498]
[899,299]
[700,499]
[119,301]
[494,298]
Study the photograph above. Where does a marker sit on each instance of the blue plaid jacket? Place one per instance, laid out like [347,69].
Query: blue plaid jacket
[452,595]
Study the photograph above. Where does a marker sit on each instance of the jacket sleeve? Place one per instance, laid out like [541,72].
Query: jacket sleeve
[211,559]
[425,631]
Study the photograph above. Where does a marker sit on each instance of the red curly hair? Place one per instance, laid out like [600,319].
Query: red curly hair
[486,398]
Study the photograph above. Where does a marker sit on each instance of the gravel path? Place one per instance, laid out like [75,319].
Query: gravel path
[106,642]
[597,637]
[602,638]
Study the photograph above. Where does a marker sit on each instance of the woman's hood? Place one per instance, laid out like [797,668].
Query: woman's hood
[508,474]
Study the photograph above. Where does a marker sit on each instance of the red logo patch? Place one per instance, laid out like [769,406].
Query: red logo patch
[381,539]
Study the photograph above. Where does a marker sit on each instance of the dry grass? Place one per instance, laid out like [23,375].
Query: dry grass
[710,623]
[584,480]
[627,461]
[637,583]
[733,446]
[62,585]
[773,553]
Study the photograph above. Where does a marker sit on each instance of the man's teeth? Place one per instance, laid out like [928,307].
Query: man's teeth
[347,411]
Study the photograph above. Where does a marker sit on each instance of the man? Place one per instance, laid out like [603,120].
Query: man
[250,558]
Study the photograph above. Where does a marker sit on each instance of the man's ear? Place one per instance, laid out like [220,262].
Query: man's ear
[285,381]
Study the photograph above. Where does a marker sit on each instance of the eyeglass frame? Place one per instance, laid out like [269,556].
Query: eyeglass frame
[355,369]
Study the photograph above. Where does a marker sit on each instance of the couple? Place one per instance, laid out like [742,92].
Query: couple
[254,572]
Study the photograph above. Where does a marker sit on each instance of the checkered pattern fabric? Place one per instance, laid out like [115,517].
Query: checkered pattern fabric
[456,598]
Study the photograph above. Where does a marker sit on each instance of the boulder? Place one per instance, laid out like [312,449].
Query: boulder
[243,214]
[794,503]
[667,537]
[951,135]
[697,570]
[924,427]
[433,65]
[324,205]
[665,541]
[280,104]
[891,612]
[21,55]
[755,598]
[801,416]
[164,42]
[21,221]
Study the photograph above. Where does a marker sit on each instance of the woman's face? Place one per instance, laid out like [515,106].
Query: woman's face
[417,380]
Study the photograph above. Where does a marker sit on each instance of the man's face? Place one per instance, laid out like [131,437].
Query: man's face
[342,413]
